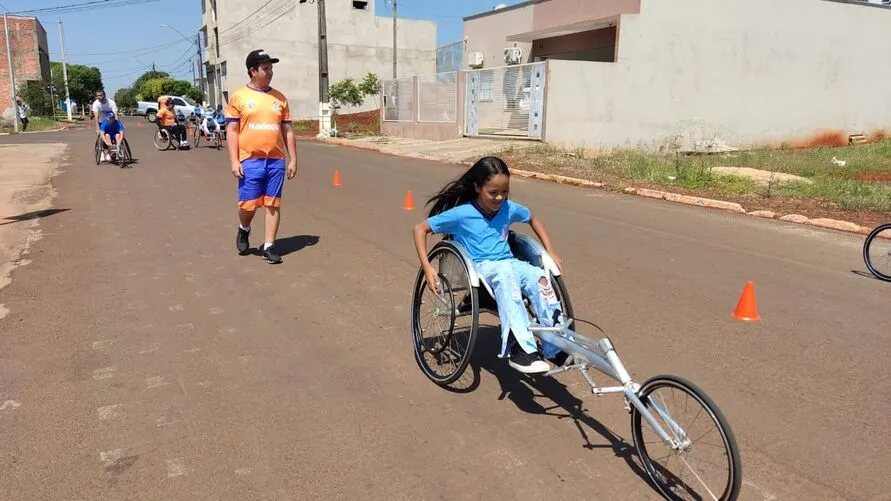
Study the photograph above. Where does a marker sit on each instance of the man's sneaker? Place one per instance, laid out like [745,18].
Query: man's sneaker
[242,241]
[527,363]
[271,256]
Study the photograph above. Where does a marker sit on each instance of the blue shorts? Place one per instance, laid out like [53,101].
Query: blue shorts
[262,183]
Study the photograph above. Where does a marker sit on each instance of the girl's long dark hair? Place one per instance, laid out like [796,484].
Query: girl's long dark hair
[463,189]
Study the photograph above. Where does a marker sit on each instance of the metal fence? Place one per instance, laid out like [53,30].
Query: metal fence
[450,57]
[507,100]
[438,97]
[399,100]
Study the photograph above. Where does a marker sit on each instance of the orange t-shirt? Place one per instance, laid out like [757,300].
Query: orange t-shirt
[167,118]
[260,116]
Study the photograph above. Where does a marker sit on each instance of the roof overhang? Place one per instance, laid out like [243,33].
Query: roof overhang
[567,29]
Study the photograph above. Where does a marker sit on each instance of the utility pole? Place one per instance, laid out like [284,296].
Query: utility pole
[199,64]
[15,107]
[65,71]
[395,10]
[323,53]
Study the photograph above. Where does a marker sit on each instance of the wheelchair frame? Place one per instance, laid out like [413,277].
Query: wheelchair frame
[586,353]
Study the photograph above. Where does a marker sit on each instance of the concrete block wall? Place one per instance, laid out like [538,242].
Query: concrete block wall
[358,42]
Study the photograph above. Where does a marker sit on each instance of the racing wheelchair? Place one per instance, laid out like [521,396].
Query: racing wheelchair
[119,152]
[162,138]
[443,350]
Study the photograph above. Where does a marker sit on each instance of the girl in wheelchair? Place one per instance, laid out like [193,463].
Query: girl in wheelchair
[476,211]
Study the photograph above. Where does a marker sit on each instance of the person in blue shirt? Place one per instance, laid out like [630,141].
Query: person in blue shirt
[112,130]
[476,212]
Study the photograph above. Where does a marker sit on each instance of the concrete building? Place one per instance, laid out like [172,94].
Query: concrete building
[677,75]
[358,42]
[30,58]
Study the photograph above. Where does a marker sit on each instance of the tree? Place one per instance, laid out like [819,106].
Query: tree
[83,82]
[125,98]
[35,93]
[347,92]
[148,75]
[165,86]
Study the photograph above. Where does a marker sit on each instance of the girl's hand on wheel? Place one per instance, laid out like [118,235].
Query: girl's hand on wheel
[432,280]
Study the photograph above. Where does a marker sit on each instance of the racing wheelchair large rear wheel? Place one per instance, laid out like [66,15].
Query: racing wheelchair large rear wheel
[444,325]
[162,139]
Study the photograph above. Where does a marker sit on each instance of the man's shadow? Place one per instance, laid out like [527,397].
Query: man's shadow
[290,245]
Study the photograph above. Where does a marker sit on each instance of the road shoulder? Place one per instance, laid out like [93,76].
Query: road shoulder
[26,195]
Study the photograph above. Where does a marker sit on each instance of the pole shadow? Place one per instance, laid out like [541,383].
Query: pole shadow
[28,216]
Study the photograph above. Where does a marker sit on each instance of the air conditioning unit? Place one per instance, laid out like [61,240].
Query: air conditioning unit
[513,55]
[475,60]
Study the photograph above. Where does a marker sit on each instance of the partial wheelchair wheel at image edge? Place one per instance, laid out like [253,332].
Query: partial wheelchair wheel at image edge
[884,243]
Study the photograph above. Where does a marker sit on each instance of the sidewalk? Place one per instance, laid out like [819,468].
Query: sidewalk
[461,150]
[467,150]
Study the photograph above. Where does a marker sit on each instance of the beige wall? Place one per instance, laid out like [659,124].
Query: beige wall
[751,73]
[549,14]
[488,34]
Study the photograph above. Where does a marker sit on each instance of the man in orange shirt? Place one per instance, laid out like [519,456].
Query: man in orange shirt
[258,126]
[167,120]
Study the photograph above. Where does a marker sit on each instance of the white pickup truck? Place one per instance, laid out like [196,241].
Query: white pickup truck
[181,104]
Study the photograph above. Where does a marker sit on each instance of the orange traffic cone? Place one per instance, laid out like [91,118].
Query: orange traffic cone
[746,309]
[336,178]
[409,203]
[138,125]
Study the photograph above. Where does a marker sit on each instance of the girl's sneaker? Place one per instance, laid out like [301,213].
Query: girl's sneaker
[527,363]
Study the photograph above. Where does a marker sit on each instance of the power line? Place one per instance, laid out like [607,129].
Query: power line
[131,51]
[247,17]
[258,22]
[74,7]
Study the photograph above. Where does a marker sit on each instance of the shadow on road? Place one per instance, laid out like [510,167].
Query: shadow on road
[524,390]
[38,214]
[864,274]
[289,245]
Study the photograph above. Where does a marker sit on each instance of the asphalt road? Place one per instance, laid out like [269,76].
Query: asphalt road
[149,361]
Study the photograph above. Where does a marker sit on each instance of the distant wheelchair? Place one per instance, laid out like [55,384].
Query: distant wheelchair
[443,348]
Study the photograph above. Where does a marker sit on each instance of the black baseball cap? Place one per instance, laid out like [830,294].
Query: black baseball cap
[259,56]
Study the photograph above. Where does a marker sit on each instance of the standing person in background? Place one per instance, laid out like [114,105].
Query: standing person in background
[22,110]
[258,130]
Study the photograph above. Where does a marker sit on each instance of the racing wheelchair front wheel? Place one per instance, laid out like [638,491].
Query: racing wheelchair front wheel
[444,325]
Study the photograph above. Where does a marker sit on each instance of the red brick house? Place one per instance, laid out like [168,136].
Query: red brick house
[30,57]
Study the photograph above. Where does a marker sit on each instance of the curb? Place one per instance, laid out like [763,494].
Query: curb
[832,224]
[35,131]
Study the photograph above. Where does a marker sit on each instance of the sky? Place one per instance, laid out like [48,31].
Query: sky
[138,40]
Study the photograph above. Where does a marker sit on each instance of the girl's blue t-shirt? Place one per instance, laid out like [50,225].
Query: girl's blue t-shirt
[484,236]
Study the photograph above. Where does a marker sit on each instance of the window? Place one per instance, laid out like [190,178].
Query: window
[359,5]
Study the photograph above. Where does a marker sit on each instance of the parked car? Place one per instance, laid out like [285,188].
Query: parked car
[181,104]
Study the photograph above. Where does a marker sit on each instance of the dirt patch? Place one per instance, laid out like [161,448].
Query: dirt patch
[367,123]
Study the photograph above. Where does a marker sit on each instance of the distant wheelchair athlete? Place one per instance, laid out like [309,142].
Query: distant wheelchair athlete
[111,144]
[209,128]
[171,131]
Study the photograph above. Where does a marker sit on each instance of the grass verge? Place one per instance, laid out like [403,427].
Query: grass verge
[35,124]
[859,190]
